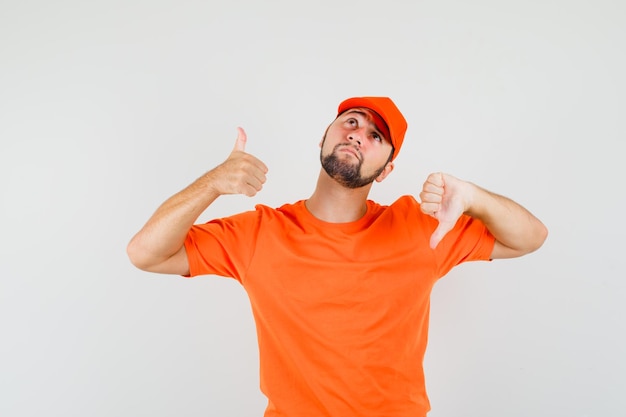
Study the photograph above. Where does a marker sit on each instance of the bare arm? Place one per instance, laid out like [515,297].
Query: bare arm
[516,230]
[159,245]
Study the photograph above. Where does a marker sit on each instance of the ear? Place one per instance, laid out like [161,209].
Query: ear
[386,171]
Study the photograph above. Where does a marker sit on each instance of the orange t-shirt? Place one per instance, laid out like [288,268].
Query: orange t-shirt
[341,309]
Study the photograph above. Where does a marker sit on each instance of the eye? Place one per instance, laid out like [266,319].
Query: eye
[352,122]
[377,137]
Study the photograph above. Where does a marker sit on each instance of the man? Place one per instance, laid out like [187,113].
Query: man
[339,285]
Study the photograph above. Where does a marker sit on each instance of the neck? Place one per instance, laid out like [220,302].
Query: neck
[335,203]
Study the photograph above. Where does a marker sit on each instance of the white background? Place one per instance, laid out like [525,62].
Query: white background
[108,108]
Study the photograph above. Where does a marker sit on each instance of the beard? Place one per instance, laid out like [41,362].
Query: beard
[346,173]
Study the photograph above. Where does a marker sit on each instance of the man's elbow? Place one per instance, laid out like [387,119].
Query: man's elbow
[544,234]
[138,255]
[145,259]
[531,242]
[539,236]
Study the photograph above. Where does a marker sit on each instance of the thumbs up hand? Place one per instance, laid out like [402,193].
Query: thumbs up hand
[445,198]
[241,173]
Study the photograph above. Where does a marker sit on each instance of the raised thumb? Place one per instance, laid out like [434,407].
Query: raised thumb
[240,143]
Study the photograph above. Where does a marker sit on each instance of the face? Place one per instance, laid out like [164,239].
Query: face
[354,151]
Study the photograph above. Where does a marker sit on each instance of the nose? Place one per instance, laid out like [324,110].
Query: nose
[355,136]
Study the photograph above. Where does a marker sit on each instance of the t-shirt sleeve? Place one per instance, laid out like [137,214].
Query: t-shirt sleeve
[222,247]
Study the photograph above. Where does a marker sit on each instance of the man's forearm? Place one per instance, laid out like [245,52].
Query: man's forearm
[512,225]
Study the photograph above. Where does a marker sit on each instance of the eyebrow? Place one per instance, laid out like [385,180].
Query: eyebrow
[361,112]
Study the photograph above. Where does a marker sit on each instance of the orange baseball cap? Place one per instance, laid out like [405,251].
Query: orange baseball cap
[387,110]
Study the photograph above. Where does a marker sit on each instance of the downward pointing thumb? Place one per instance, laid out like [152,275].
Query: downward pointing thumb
[439,233]
[240,143]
